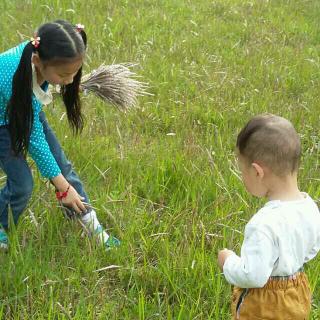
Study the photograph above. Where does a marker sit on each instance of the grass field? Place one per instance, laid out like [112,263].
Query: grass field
[163,177]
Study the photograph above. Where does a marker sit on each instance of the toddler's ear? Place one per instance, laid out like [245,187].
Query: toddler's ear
[258,169]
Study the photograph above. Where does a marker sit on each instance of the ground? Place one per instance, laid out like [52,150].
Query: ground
[162,177]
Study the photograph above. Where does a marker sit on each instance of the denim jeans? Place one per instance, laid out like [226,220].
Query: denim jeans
[18,188]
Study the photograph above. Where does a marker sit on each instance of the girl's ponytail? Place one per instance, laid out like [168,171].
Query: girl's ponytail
[71,98]
[83,36]
[19,112]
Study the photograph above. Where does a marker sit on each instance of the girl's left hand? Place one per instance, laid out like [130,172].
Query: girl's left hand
[74,200]
[222,257]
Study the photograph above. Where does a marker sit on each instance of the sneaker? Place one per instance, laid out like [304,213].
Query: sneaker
[3,240]
[111,242]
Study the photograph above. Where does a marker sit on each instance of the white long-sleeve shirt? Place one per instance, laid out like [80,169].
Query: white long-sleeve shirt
[278,240]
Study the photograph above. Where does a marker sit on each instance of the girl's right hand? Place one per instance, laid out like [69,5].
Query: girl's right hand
[74,200]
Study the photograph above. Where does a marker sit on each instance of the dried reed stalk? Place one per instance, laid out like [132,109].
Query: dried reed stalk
[115,84]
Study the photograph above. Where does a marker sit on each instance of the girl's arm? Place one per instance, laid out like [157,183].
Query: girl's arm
[73,199]
[48,167]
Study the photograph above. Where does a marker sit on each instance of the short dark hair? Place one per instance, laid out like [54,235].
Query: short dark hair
[272,141]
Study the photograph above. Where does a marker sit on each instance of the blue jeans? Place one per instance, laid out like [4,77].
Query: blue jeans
[18,188]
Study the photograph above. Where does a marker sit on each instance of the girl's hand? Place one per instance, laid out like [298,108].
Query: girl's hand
[222,257]
[74,200]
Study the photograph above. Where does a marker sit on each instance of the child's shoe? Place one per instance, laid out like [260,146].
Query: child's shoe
[95,229]
[112,242]
[108,241]
[3,240]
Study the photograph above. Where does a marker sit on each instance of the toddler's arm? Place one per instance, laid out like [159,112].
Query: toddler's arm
[223,256]
[254,267]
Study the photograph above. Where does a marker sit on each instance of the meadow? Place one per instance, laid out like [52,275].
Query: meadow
[162,177]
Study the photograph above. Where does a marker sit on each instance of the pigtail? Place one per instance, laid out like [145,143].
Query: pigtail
[83,36]
[19,111]
[71,97]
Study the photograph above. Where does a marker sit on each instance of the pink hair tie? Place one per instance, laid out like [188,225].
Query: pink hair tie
[35,41]
[79,27]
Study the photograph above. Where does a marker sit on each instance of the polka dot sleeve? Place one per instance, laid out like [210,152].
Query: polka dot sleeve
[40,150]
[2,105]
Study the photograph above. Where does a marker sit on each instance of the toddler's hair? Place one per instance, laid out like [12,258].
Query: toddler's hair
[272,141]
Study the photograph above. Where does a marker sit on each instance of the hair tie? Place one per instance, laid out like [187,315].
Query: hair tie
[35,41]
[79,27]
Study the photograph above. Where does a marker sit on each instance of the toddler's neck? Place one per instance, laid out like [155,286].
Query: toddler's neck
[284,189]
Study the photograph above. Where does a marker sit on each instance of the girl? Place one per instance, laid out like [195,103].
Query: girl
[54,56]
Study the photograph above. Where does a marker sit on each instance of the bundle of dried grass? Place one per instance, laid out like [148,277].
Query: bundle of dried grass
[116,84]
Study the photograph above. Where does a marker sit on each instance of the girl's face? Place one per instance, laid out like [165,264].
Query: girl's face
[61,74]
[58,74]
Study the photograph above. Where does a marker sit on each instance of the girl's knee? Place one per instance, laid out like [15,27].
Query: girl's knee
[66,169]
[24,186]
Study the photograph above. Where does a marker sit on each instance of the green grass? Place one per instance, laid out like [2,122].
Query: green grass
[211,66]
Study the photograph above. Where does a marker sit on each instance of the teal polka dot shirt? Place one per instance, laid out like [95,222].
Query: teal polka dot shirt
[38,147]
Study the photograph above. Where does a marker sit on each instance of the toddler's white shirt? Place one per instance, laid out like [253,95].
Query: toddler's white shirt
[278,240]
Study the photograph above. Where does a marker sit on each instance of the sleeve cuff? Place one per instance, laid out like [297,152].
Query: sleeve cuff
[230,264]
[57,173]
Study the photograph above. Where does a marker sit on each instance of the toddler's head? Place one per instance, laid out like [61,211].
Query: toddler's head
[268,150]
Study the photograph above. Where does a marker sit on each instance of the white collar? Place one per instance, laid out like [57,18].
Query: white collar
[44,97]
[277,203]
